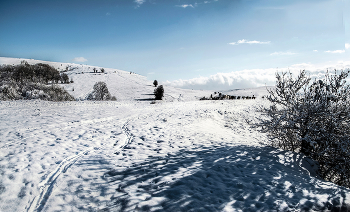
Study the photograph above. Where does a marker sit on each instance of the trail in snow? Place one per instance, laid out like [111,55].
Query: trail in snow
[126,141]
[47,185]
[43,151]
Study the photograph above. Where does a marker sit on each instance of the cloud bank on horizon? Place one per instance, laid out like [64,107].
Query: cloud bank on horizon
[80,59]
[255,77]
[247,78]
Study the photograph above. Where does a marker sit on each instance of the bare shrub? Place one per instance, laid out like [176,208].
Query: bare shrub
[100,92]
[314,119]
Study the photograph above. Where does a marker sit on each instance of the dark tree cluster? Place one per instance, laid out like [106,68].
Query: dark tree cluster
[226,97]
[96,71]
[24,72]
[25,81]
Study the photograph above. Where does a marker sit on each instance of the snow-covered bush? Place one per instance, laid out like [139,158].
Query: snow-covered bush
[45,92]
[159,92]
[12,91]
[9,91]
[314,119]
[100,92]
[55,93]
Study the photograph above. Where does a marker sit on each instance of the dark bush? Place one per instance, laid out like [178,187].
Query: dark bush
[159,92]
[6,72]
[23,72]
[46,73]
[64,78]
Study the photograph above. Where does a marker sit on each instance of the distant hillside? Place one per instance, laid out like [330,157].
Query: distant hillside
[125,86]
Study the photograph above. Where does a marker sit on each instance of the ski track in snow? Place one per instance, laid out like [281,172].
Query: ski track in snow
[64,127]
[47,185]
[127,140]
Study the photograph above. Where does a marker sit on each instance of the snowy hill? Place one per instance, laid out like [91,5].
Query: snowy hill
[179,154]
[125,86]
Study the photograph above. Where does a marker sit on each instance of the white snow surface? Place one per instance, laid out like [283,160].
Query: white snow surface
[179,154]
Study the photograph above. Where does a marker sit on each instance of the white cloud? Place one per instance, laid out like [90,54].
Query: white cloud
[151,73]
[80,59]
[315,50]
[249,42]
[254,77]
[139,2]
[185,5]
[283,53]
[195,4]
[347,45]
[336,51]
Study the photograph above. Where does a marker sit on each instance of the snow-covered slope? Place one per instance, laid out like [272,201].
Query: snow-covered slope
[175,155]
[125,86]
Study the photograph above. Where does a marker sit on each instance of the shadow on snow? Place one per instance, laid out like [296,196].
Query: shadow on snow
[212,179]
[148,99]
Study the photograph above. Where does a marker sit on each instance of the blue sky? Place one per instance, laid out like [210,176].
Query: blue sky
[181,42]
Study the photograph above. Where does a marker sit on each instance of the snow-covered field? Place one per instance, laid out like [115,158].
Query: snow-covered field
[179,154]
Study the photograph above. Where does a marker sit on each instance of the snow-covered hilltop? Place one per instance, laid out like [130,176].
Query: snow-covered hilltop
[180,154]
[121,84]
